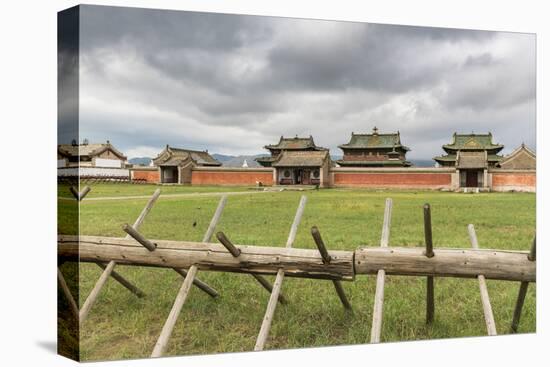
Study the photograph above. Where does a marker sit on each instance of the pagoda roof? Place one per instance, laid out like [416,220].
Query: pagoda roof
[296,143]
[86,149]
[304,158]
[521,158]
[176,156]
[473,142]
[374,140]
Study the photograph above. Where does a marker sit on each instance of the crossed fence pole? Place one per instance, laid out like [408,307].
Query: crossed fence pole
[430,259]
[108,270]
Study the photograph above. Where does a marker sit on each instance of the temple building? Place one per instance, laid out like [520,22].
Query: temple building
[293,167]
[288,144]
[103,155]
[472,155]
[522,158]
[175,164]
[374,150]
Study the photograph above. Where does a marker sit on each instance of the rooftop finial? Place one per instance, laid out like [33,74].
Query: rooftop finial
[375,131]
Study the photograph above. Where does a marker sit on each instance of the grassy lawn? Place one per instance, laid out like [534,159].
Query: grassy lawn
[123,326]
[125,189]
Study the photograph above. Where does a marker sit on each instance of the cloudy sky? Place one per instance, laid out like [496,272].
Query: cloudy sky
[231,83]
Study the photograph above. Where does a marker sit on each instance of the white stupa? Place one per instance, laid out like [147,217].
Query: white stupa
[245,165]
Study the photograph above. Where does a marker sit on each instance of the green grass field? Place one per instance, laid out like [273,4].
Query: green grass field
[123,326]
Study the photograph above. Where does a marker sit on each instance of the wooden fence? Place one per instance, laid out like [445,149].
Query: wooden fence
[188,258]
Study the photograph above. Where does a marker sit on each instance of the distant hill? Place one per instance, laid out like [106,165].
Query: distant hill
[238,160]
[423,162]
[141,161]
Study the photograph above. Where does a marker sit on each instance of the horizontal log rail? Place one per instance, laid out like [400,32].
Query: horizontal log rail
[306,263]
[447,262]
[208,256]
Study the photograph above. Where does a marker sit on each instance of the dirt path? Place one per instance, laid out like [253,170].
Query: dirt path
[182,195]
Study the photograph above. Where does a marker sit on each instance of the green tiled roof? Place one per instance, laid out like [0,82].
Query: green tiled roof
[374,163]
[301,159]
[473,142]
[374,140]
[494,157]
[295,143]
[446,158]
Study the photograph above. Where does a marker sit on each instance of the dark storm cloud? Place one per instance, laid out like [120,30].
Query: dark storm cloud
[233,83]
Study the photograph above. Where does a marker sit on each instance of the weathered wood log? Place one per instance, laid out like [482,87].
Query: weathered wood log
[272,304]
[79,195]
[430,301]
[215,219]
[228,244]
[306,263]
[151,246]
[270,311]
[519,306]
[485,301]
[326,259]
[168,327]
[533,253]
[233,250]
[119,278]
[523,291]
[124,282]
[447,262]
[145,211]
[73,307]
[378,311]
[206,238]
[190,279]
[92,297]
[268,287]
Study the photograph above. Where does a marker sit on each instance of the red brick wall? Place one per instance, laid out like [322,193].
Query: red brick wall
[217,176]
[519,181]
[412,180]
[151,176]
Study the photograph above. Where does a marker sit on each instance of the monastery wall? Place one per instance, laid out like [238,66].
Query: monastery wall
[513,180]
[148,174]
[400,178]
[231,176]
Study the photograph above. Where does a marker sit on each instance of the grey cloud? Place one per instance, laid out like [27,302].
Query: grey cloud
[252,79]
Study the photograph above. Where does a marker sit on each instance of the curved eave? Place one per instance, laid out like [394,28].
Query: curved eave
[345,146]
[373,163]
[264,159]
[498,147]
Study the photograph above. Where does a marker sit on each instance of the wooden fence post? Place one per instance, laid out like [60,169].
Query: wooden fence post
[523,291]
[430,302]
[66,291]
[168,327]
[236,252]
[109,268]
[380,278]
[326,259]
[190,279]
[485,301]
[272,304]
